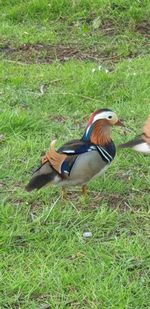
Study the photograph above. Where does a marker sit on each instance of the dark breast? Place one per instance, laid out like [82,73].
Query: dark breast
[110,147]
[107,152]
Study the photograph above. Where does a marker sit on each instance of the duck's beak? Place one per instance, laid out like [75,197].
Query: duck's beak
[120,123]
[123,128]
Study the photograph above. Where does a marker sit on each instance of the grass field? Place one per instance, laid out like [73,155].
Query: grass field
[59,61]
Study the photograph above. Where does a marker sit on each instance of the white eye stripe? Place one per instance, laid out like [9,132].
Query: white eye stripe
[104,115]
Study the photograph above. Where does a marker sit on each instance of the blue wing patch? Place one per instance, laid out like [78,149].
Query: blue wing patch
[80,149]
[72,156]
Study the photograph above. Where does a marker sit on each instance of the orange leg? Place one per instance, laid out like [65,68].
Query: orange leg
[63,192]
[84,190]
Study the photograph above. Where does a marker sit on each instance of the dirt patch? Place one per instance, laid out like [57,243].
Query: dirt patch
[40,53]
[48,53]
[118,201]
[94,200]
[144,28]
[108,28]
[114,201]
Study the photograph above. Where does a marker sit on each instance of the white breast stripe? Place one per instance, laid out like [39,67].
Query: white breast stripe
[106,153]
[103,154]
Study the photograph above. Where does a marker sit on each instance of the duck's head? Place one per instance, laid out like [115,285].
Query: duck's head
[99,125]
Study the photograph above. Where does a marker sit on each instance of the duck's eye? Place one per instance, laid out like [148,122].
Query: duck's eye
[109,117]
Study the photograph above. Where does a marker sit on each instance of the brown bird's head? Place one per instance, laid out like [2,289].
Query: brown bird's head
[99,125]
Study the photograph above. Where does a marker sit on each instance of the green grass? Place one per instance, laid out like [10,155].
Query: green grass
[113,29]
[45,260]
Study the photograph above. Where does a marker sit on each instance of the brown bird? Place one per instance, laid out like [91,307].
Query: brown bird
[77,161]
[142,142]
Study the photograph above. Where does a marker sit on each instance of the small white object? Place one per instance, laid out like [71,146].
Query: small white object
[87,234]
[99,67]
[93,70]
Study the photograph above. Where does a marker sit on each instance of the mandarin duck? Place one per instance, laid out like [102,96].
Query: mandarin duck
[142,142]
[77,161]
